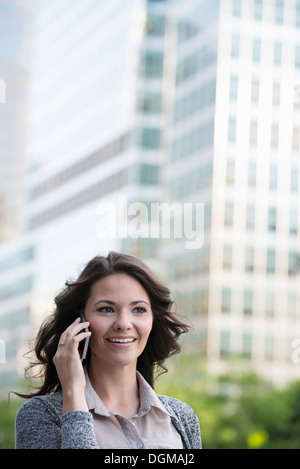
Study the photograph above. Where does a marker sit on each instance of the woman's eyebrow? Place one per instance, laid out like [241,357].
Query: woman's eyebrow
[105,301]
[113,303]
[138,301]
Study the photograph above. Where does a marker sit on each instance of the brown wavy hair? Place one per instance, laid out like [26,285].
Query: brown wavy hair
[163,339]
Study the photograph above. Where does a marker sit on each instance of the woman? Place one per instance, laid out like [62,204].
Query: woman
[107,400]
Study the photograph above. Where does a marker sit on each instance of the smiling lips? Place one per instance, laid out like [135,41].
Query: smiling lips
[121,340]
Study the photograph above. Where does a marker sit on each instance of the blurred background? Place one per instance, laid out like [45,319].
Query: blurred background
[150,102]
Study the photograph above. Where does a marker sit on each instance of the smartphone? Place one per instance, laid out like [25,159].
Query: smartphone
[84,348]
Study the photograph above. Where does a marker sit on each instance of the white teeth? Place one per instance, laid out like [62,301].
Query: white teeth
[121,340]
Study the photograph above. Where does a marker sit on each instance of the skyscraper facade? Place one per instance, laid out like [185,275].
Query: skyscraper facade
[87,152]
[15,55]
[235,145]
[144,102]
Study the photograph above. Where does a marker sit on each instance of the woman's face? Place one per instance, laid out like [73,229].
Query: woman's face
[120,316]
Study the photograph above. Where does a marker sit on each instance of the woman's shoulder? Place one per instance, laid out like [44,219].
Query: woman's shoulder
[185,420]
[38,422]
[38,405]
[176,406]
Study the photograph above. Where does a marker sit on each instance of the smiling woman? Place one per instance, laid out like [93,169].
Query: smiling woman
[107,400]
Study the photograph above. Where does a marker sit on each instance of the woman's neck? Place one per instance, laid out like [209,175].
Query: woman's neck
[117,388]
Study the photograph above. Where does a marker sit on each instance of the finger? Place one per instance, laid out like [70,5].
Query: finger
[81,336]
[74,344]
[73,341]
[70,348]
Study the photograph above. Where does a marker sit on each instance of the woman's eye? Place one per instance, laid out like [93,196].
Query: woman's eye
[139,309]
[105,309]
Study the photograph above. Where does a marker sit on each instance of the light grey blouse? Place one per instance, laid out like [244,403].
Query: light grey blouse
[150,428]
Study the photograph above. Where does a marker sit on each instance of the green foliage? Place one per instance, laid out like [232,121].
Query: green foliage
[238,411]
[8,412]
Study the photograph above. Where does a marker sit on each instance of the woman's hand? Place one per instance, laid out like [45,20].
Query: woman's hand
[69,367]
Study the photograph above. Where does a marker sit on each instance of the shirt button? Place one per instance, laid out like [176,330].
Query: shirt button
[139,445]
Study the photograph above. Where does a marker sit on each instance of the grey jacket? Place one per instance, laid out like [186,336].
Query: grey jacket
[41,425]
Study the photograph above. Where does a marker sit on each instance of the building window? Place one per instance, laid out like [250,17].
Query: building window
[279,6]
[226,300]
[196,62]
[254,91]
[247,345]
[269,347]
[233,87]
[258,10]
[256,49]
[249,259]
[237,6]
[110,184]
[277,53]
[294,180]
[151,64]
[271,261]
[19,287]
[272,219]
[149,103]
[195,101]
[253,133]
[150,138]
[228,221]
[232,129]
[298,14]
[224,344]
[230,172]
[155,26]
[96,158]
[200,302]
[248,302]
[270,304]
[292,303]
[293,263]
[227,256]
[297,56]
[293,221]
[250,220]
[194,141]
[251,174]
[235,45]
[148,174]
[18,259]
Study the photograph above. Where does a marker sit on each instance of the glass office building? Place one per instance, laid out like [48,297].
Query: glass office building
[15,58]
[87,152]
[15,54]
[235,146]
[141,102]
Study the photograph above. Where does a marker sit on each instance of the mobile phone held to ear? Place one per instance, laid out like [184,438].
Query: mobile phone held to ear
[84,348]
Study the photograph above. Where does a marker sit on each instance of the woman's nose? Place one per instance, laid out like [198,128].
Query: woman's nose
[123,321]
